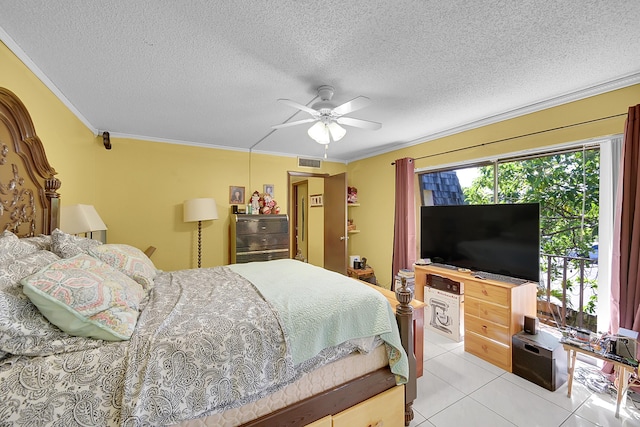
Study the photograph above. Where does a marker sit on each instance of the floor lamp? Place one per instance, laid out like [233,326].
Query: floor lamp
[200,210]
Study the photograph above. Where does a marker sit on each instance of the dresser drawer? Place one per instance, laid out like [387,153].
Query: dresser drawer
[262,225]
[385,409]
[491,351]
[268,255]
[259,242]
[487,292]
[487,329]
[487,311]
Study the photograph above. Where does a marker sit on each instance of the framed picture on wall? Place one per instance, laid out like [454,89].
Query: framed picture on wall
[315,200]
[236,195]
[268,189]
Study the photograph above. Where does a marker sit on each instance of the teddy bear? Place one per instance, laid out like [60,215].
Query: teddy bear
[269,206]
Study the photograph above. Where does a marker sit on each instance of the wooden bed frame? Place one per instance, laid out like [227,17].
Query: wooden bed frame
[28,186]
[30,205]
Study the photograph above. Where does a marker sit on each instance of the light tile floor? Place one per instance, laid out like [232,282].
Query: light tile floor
[462,390]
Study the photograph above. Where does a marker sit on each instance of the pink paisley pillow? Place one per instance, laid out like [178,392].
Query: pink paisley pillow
[85,297]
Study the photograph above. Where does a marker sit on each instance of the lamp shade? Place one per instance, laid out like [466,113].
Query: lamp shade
[201,209]
[337,131]
[320,131]
[76,219]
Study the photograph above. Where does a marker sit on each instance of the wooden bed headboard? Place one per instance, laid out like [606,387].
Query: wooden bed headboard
[29,202]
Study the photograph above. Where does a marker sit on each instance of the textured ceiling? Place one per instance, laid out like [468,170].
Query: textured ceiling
[210,72]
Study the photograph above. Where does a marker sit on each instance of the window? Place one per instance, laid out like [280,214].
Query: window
[566,183]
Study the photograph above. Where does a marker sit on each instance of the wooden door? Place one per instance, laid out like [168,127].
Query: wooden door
[335,223]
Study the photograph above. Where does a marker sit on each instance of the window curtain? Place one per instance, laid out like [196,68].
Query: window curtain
[404,233]
[625,262]
[625,253]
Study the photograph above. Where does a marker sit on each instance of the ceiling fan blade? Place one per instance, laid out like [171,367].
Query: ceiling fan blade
[353,105]
[294,104]
[359,123]
[297,122]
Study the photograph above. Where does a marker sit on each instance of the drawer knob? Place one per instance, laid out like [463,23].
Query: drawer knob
[484,328]
[484,347]
[484,292]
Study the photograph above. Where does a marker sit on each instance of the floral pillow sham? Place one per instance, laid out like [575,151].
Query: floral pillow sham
[12,247]
[129,260]
[67,245]
[83,296]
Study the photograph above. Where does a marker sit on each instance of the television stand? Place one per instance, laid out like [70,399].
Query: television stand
[494,311]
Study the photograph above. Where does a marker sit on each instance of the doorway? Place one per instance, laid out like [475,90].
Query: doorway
[300,220]
[318,231]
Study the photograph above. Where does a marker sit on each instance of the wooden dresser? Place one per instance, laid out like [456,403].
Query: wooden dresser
[258,238]
[493,312]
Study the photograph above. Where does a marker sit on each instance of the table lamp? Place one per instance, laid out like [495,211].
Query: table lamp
[202,209]
[79,219]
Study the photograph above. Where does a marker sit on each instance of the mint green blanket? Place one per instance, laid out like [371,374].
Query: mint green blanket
[321,308]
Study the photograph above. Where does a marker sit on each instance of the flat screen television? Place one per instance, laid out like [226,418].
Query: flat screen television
[501,239]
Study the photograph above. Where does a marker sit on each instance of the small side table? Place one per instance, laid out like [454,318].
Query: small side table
[360,273]
[623,371]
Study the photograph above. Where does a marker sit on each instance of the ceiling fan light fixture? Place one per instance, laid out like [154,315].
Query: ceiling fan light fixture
[337,131]
[319,133]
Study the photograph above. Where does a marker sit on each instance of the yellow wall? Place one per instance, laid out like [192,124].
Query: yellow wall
[70,146]
[138,187]
[376,190]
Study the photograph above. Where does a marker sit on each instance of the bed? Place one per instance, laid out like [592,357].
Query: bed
[94,334]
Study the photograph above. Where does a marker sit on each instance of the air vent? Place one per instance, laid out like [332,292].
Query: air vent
[309,163]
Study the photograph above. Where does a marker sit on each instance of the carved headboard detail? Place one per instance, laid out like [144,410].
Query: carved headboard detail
[29,199]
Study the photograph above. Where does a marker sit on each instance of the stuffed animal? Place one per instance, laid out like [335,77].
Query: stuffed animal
[269,206]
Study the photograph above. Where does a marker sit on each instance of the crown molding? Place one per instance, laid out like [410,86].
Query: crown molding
[599,89]
[22,56]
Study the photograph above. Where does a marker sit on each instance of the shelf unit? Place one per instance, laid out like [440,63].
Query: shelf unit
[353,205]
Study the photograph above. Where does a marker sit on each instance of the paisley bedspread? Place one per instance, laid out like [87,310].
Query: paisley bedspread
[205,342]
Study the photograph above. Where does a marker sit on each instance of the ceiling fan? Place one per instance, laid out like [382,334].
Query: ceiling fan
[329,117]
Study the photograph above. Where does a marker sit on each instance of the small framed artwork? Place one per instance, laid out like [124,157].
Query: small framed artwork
[268,189]
[315,200]
[236,195]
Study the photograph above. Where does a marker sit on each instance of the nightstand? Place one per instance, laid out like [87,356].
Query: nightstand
[360,273]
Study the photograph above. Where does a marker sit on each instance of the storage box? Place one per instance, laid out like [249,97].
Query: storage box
[444,313]
[539,358]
